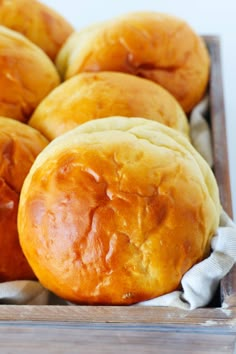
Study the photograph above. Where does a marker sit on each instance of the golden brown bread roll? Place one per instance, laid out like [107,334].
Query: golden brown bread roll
[19,145]
[156,46]
[89,96]
[116,211]
[41,24]
[27,75]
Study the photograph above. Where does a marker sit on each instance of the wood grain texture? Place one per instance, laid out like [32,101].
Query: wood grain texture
[220,152]
[218,124]
[29,338]
[228,288]
[166,316]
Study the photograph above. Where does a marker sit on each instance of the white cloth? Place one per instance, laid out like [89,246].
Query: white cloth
[199,283]
[200,133]
[23,292]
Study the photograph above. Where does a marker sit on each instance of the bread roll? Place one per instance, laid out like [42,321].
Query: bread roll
[27,75]
[116,211]
[19,145]
[153,45]
[41,24]
[89,96]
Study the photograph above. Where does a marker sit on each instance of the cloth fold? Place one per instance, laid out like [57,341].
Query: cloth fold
[23,292]
[201,281]
[200,133]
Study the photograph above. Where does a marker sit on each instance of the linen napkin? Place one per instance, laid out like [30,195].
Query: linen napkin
[200,133]
[201,281]
[23,292]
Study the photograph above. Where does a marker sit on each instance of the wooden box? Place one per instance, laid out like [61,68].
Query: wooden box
[111,329]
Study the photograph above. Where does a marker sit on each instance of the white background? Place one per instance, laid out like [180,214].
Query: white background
[205,17]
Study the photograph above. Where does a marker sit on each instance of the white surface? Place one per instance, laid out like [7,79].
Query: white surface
[205,17]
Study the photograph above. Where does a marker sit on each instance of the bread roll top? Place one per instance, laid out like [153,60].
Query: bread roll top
[19,146]
[27,75]
[116,211]
[36,21]
[90,96]
[156,46]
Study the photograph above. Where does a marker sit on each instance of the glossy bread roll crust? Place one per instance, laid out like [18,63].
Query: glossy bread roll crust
[116,211]
[90,96]
[41,24]
[153,45]
[27,75]
[19,145]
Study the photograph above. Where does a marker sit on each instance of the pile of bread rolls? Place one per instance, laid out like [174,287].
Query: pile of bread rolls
[103,198]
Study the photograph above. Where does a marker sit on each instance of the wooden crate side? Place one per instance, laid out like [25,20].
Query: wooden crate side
[163,317]
[170,317]
[218,124]
[220,152]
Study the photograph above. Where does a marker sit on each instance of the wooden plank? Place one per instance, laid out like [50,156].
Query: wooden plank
[218,124]
[161,316]
[76,340]
[228,288]
[220,152]
[59,338]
